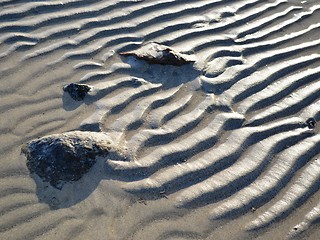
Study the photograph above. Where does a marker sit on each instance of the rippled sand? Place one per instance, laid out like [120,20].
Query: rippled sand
[219,149]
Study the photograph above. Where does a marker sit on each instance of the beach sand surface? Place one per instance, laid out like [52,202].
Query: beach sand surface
[226,147]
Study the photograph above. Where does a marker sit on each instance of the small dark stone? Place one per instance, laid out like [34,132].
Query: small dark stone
[77,91]
[155,53]
[210,109]
[311,123]
[62,158]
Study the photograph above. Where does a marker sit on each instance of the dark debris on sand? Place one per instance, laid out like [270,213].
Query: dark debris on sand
[77,91]
[311,123]
[62,158]
[155,53]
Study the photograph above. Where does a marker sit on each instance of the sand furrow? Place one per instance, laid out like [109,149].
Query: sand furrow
[310,218]
[306,185]
[276,91]
[164,113]
[275,178]
[282,25]
[290,105]
[229,158]
[178,151]
[169,131]
[141,108]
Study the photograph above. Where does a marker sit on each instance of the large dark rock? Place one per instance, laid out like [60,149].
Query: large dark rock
[155,53]
[77,91]
[66,157]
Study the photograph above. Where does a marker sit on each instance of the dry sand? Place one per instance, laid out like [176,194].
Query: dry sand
[218,149]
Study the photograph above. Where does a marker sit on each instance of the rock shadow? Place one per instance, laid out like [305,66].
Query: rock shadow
[169,76]
[68,167]
[72,192]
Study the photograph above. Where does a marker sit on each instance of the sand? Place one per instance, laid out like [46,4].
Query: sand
[218,149]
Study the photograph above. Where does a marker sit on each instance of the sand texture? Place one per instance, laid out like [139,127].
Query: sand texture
[221,142]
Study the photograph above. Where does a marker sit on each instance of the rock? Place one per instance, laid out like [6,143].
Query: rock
[311,123]
[77,91]
[61,158]
[155,53]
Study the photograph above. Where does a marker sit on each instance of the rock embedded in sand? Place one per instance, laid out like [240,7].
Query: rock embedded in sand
[311,123]
[61,158]
[155,53]
[77,91]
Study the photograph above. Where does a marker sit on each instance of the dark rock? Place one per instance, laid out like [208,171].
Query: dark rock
[155,53]
[77,91]
[311,123]
[66,157]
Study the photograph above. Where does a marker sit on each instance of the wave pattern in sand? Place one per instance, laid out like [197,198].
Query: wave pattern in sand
[230,131]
